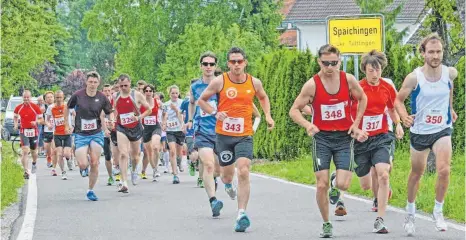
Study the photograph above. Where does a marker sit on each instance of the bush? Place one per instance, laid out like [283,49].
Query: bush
[12,175]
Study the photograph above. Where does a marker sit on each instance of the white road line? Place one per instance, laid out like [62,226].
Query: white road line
[391,208]
[27,229]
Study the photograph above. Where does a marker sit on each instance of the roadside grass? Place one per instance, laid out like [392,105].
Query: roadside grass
[11,176]
[301,171]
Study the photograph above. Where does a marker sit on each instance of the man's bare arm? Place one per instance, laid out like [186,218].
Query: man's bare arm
[305,96]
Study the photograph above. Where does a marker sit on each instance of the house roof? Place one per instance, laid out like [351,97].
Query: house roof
[318,10]
[289,38]
[287,5]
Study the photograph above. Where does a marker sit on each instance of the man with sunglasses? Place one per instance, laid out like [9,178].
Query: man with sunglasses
[330,92]
[204,128]
[234,128]
[89,124]
[129,128]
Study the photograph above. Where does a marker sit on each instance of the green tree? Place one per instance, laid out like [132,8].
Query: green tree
[30,33]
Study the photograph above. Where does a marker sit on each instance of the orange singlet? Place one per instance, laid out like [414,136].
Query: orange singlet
[236,99]
[59,119]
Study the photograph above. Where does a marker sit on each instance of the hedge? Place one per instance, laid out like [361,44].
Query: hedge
[285,71]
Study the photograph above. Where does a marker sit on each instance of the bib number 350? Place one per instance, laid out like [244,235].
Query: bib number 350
[233,125]
[434,117]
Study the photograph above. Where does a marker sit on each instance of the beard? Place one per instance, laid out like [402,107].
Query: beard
[434,63]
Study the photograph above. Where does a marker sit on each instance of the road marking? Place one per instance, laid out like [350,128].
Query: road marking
[27,229]
[352,197]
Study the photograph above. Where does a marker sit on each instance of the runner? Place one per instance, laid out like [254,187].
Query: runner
[204,131]
[163,140]
[30,116]
[172,124]
[152,133]
[188,145]
[129,129]
[140,87]
[113,137]
[62,139]
[88,104]
[48,132]
[41,104]
[235,91]
[430,125]
[331,128]
[107,91]
[376,150]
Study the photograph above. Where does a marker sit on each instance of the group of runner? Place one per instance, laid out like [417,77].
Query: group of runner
[352,123]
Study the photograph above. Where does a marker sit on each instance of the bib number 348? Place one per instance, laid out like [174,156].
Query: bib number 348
[333,112]
[233,125]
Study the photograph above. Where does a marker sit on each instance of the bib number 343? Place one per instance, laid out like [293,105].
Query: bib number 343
[233,125]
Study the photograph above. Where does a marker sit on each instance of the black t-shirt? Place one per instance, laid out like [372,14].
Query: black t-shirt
[88,109]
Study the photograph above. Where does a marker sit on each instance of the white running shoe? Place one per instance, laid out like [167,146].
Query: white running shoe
[440,223]
[134,178]
[409,225]
[63,176]
[69,162]
[231,191]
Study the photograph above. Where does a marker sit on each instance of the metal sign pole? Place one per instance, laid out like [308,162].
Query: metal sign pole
[345,63]
[356,67]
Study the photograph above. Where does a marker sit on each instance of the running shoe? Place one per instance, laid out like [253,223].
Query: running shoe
[117,177]
[375,205]
[122,188]
[64,176]
[34,168]
[440,223]
[340,209]
[155,176]
[192,169]
[176,180]
[49,162]
[143,175]
[54,172]
[69,162]
[409,225]
[216,206]
[327,230]
[91,196]
[230,190]
[84,173]
[26,175]
[201,184]
[134,178]
[242,223]
[165,170]
[110,181]
[379,226]
[180,167]
[199,181]
[334,193]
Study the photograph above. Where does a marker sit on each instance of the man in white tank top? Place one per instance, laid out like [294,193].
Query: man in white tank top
[431,89]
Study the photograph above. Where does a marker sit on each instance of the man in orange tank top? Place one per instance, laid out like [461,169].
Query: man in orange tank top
[236,90]
[330,92]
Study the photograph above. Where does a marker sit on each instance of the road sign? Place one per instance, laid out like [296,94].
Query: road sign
[356,34]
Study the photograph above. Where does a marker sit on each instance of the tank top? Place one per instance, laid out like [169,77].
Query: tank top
[430,102]
[152,119]
[58,114]
[126,108]
[203,122]
[332,111]
[374,120]
[237,100]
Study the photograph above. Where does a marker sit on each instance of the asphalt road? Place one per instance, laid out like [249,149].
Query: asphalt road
[161,210]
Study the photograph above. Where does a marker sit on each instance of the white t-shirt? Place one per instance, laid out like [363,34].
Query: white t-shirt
[173,123]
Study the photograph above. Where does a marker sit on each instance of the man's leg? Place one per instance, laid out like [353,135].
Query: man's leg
[135,151]
[322,185]
[95,151]
[155,147]
[207,158]
[418,164]
[244,188]
[59,157]
[443,151]
[383,181]
[24,157]
[148,151]
[123,147]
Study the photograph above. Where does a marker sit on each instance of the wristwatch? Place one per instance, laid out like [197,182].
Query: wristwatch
[213,113]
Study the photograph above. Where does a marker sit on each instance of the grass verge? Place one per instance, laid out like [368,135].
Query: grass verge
[301,171]
[11,176]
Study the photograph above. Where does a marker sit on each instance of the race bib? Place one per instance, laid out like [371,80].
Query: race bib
[233,125]
[212,104]
[59,121]
[173,124]
[127,118]
[47,129]
[333,112]
[372,123]
[29,132]
[88,125]
[433,117]
[150,120]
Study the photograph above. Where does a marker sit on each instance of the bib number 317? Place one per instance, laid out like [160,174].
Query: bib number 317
[233,125]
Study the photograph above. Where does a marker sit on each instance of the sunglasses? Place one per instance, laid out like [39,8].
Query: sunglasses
[328,63]
[241,61]
[149,90]
[124,85]
[205,64]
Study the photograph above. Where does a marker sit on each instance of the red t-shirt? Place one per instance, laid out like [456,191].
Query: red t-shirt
[28,113]
[379,97]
